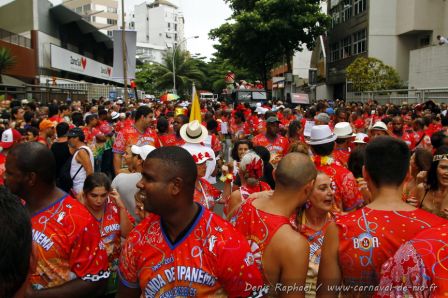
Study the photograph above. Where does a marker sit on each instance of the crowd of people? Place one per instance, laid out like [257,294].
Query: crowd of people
[148,199]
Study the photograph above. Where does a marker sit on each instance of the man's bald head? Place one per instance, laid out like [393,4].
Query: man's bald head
[294,171]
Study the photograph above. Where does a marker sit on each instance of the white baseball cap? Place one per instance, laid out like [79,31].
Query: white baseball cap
[143,151]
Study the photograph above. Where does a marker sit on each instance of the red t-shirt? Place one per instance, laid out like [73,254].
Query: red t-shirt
[346,192]
[131,136]
[258,227]
[278,148]
[212,259]
[341,156]
[239,129]
[419,268]
[2,168]
[90,134]
[168,140]
[206,194]
[67,245]
[368,238]
[110,231]
[56,118]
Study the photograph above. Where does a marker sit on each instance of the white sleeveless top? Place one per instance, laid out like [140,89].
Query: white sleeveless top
[78,182]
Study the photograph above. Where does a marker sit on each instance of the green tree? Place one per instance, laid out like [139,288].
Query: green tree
[262,33]
[216,69]
[187,72]
[145,78]
[371,74]
[7,60]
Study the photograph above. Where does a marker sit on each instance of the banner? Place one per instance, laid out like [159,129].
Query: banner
[131,44]
[72,62]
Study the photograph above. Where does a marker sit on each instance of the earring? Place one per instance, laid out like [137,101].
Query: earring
[308,204]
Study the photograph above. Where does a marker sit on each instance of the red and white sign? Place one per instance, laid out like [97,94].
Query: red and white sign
[69,61]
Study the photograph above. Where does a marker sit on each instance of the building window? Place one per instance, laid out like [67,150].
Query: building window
[111,22]
[334,49]
[93,19]
[335,18]
[175,36]
[147,38]
[112,10]
[425,41]
[175,27]
[346,47]
[110,33]
[86,8]
[359,42]
[78,10]
[360,6]
[346,10]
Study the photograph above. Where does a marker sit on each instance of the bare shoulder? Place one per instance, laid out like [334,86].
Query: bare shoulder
[288,240]
[264,194]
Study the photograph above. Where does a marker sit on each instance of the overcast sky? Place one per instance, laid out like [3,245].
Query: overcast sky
[200,17]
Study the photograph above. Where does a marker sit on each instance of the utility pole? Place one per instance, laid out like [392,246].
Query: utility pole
[125,54]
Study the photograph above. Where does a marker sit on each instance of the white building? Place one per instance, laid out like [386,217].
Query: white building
[160,27]
[103,14]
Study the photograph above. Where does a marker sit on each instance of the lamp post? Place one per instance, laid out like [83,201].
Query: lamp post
[174,56]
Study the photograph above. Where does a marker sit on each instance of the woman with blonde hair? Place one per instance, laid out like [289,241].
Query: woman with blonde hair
[311,221]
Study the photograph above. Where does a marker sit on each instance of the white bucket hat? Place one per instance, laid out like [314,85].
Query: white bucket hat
[343,130]
[193,132]
[321,134]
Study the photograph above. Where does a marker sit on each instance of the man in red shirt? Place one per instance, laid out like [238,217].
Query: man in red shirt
[347,196]
[274,142]
[264,220]
[358,244]
[398,132]
[182,249]
[91,129]
[139,134]
[47,131]
[71,259]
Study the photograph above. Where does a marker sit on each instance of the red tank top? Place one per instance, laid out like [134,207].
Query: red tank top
[368,238]
[258,227]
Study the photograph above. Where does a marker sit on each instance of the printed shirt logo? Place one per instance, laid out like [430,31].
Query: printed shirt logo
[365,242]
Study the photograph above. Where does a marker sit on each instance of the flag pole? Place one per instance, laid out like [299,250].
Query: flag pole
[125,54]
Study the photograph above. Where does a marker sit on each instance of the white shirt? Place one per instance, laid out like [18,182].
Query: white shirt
[78,182]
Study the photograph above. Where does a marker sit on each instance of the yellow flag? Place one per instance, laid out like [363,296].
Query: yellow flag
[195,113]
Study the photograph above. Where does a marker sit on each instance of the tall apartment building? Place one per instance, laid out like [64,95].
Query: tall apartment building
[159,26]
[385,29]
[103,14]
